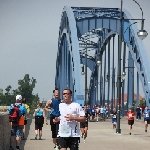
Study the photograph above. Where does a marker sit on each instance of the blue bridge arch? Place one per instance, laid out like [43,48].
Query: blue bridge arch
[78,25]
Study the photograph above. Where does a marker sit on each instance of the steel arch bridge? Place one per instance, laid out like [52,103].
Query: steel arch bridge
[78,27]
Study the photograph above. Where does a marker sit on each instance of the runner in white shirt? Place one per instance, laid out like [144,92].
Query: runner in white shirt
[71,114]
[101,112]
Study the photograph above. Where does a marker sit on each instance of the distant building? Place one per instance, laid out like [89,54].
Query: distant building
[125,99]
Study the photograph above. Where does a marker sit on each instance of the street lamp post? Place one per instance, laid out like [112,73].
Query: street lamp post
[98,63]
[118,130]
[85,75]
[141,34]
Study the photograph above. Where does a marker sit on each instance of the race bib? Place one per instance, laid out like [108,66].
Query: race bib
[114,116]
[93,111]
[65,130]
[147,115]
[130,115]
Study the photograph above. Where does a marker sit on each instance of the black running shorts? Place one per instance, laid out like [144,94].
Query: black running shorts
[68,142]
[130,122]
[83,124]
[54,127]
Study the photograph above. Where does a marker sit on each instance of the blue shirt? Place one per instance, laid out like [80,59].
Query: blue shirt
[104,110]
[55,108]
[93,111]
[39,112]
[89,110]
[147,114]
[22,109]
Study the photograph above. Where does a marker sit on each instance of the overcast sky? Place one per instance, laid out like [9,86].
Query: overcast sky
[29,36]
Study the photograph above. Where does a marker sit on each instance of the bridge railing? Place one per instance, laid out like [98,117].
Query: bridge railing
[4,108]
[5,129]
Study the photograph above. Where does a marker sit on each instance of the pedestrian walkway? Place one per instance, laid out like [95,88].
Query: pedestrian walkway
[100,136]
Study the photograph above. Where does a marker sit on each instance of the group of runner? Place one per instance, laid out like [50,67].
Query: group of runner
[65,116]
[131,116]
[98,112]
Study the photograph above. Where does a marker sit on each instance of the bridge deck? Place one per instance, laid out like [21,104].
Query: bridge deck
[100,136]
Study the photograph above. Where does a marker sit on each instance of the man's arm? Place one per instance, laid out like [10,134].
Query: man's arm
[44,114]
[70,117]
[80,115]
[80,119]
[47,105]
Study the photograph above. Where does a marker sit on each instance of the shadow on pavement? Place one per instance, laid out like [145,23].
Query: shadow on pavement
[38,140]
[23,142]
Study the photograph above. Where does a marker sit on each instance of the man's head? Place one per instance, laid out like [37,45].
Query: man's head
[67,95]
[114,109]
[18,99]
[56,93]
[130,109]
[39,105]
[146,107]
[85,107]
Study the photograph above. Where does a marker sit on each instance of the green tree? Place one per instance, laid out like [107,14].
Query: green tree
[8,89]
[143,102]
[26,87]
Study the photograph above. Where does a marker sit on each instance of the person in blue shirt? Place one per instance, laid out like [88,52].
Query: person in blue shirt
[114,117]
[54,112]
[93,112]
[146,114]
[39,114]
[104,112]
[17,125]
[89,109]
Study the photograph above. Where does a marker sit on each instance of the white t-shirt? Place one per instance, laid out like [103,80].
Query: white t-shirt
[101,110]
[69,128]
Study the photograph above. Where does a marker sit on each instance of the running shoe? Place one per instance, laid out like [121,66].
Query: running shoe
[145,130]
[23,138]
[84,141]
[56,148]
[36,137]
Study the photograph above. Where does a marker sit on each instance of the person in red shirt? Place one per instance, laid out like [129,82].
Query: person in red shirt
[143,108]
[130,116]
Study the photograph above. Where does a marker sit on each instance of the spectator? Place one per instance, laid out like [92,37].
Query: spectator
[143,108]
[138,113]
